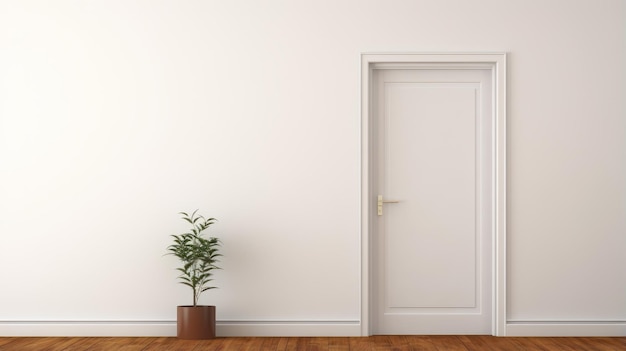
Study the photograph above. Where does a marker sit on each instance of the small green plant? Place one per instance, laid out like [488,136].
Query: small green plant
[199,255]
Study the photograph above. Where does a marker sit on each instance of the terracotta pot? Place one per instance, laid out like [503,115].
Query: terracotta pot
[196,322]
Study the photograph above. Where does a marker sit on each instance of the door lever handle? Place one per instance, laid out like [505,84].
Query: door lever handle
[381,202]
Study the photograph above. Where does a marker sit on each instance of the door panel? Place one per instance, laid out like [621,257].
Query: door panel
[433,260]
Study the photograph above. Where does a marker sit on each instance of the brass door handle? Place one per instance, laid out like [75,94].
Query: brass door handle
[381,202]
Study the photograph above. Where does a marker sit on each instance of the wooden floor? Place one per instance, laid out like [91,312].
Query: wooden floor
[374,343]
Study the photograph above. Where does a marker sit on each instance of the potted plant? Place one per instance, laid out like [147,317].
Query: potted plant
[199,256]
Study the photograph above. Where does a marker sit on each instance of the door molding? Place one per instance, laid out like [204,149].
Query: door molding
[496,62]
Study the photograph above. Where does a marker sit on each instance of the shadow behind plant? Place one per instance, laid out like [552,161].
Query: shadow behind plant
[198,255]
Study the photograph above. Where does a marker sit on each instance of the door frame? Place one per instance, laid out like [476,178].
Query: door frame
[496,62]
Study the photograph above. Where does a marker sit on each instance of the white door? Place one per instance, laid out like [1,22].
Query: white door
[433,155]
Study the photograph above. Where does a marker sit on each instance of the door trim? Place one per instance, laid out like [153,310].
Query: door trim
[497,63]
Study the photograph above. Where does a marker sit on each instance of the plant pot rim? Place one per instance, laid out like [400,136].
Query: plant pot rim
[192,306]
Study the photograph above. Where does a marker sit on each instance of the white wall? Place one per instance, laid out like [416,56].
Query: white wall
[116,115]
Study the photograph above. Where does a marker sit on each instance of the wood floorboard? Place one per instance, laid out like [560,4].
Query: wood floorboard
[399,343]
[229,344]
[605,344]
[212,345]
[270,344]
[51,344]
[121,344]
[4,341]
[302,344]
[491,343]
[359,344]
[251,344]
[338,344]
[282,344]
[420,343]
[379,342]
[171,344]
[448,343]
[524,343]
[473,343]
[374,343]
[554,343]
[318,344]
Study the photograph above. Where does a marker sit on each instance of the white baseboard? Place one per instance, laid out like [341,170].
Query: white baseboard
[280,328]
[88,328]
[566,328]
[289,328]
[168,328]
